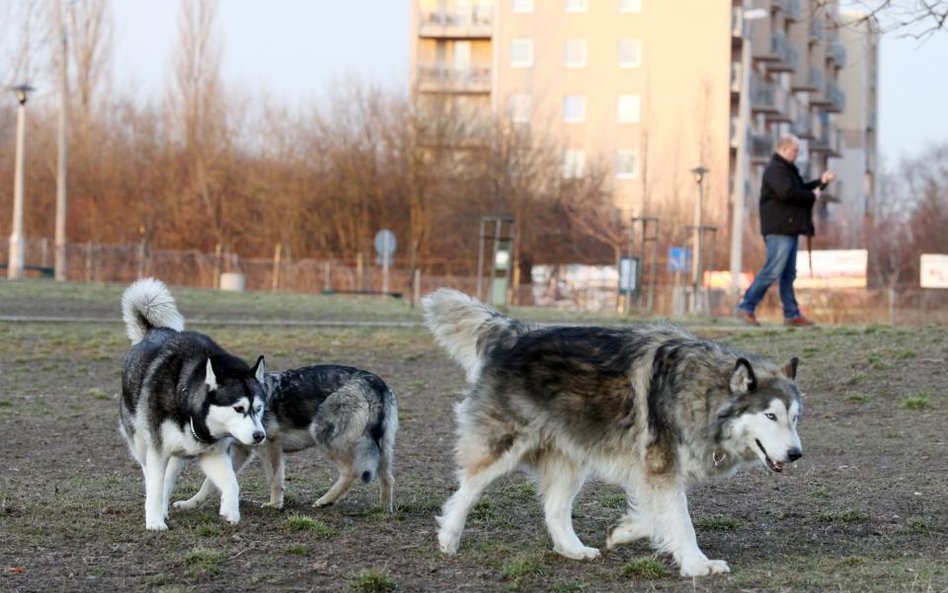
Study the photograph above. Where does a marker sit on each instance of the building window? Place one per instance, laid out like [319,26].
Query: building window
[521,53]
[625,164]
[522,6]
[629,109]
[575,53]
[630,53]
[577,5]
[630,5]
[574,164]
[520,108]
[574,109]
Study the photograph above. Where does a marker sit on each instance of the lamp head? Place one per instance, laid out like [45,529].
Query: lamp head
[699,172]
[22,91]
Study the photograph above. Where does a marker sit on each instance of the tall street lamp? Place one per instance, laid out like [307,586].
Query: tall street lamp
[17,243]
[743,160]
[696,265]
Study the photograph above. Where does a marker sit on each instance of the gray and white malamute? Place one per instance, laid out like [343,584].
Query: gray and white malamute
[349,414]
[183,397]
[650,408]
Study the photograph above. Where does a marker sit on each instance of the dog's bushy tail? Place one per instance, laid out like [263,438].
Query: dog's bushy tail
[465,327]
[375,449]
[148,303]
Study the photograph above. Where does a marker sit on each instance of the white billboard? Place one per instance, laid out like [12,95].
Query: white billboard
[832,268]
[933,270]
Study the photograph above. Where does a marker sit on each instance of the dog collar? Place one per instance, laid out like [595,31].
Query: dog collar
[194,432]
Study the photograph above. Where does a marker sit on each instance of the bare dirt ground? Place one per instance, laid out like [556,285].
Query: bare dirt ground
[866,509]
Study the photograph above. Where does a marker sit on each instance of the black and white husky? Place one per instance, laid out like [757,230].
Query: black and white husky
[651,408]
[183,397]
[348,414]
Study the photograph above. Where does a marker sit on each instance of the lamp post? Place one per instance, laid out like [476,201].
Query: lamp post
[742,162]
[17,243]
[696,268]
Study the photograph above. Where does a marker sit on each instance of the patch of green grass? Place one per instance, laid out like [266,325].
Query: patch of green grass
[857,398]
[917,526]
[419,505]
[612,500]
[876,362]
[915,402]
[523,567]
[483,510]
[567,587]
[644,567]
[5,403]
[208,530]
[820,492]
[202,560]
[315,526]
[296,550]
[527,490]
[853,561]
[372,581]
[847,516]
[716,523]
[905,354]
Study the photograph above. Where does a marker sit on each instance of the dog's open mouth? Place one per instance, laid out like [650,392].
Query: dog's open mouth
[776,466]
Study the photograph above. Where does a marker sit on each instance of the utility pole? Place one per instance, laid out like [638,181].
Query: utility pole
[17,257]
[60,246]
[697,266]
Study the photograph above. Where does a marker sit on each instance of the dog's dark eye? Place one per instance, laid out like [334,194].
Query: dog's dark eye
[239,409]
[771,416]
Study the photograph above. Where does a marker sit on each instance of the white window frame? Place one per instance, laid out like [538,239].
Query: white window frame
[520,108]
[629,109]
[630,6]
[622,155]
[522,6]
[581,47]
[577,101]
[574,163]
[576,5]
[527,46]
[638,53]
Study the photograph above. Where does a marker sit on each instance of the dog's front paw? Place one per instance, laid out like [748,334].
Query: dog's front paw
[703,567]
[156,525]
[278,505]
[582,553]
[448,542]
[186,505]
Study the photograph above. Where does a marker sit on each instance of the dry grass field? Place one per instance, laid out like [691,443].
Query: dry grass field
[865,510]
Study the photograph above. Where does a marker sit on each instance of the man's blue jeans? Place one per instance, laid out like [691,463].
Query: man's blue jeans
[781,265]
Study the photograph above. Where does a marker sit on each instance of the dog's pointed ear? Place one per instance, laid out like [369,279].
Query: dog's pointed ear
[743,378]
[210,379]
[790,369]
[259,370]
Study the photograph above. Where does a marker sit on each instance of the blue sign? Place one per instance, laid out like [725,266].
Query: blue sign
[679,259]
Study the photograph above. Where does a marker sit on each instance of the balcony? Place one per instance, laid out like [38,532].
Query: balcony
[827,140]
[802,126]
[736,78]
[791,9]
[816,28]
[737,22]
[770,99]
[442,78]
[835,98]
[762,147]
[471,23]
[782,55]
[836,54]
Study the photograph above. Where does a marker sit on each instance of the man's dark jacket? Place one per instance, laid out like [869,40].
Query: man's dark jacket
[786,201]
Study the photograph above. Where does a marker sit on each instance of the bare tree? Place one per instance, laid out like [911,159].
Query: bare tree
[89,25]
[915,18]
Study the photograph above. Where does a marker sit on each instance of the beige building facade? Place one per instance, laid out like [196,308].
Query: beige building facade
[651,89]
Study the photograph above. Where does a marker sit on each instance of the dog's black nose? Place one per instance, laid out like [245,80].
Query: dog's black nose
[794,454]
[260,435]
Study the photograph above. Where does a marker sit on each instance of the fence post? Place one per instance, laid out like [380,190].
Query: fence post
[892,297]
[327,277]
[89,263]
[276,268]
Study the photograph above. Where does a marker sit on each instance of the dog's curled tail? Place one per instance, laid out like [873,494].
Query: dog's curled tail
[148,303]
[465,327]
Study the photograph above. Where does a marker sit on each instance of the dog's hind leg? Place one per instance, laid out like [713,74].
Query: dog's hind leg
[386,480]
[478,469]
[347,475]
[560,481]
[175,466]
[634,525]
[155,466]
[674,533]
[218,467]
[275,470]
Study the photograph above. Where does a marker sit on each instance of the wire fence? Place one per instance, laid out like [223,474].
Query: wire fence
[124,263]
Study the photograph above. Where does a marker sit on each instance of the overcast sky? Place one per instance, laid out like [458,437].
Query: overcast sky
[297,48]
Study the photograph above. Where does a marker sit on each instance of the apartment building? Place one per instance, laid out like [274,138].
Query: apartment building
[652,89]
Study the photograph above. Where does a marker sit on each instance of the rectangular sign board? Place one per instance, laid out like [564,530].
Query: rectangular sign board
[933,270]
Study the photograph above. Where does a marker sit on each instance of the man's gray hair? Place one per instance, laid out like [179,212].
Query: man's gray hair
[786,141]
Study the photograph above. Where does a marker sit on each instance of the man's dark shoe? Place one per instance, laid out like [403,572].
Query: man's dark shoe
[747,317]
[799,321]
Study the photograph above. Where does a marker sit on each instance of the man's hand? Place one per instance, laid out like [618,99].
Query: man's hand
[827,176]
[817,192]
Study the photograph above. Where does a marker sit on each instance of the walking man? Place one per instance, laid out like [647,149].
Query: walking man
[786,212]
